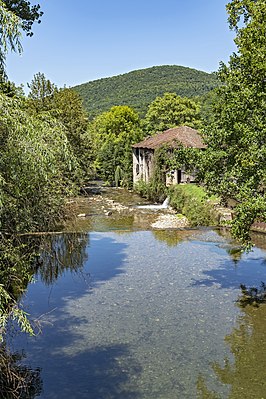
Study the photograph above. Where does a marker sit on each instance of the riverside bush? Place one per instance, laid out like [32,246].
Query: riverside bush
[192,201]
[153,191]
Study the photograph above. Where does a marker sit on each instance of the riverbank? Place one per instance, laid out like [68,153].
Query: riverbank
[112,208]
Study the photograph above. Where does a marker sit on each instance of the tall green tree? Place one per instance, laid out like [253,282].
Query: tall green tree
[41,94]
[235,163]
[67,107]
[171,110]
[37,169]
[113,133]
[69,110]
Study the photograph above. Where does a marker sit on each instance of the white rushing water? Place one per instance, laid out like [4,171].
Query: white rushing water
[164,205]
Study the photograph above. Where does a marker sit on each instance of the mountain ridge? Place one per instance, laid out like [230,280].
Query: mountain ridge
[140,87]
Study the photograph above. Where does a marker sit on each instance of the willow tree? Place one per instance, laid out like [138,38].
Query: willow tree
[235,163]
[10,34]
[26,12]
[37,166]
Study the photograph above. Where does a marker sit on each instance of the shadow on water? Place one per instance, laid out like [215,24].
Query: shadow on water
[94,374]
[101,260]
[83,263]
[106,259]
[232,273]
[100,372]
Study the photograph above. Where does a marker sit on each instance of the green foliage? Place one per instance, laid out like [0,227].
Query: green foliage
[234,164]
[153,191]
[138,89]
[192,201]
[27,13]
[113,133]
[207,102]
[8,88]
[118,176]
[66,106]
[10,34]
[36,169]
[69,110]
[41,93]
[15,16]
[179,158]
[171,110]
[15,273]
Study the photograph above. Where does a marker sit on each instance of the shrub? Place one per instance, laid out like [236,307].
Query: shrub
[192,201]
[153,191]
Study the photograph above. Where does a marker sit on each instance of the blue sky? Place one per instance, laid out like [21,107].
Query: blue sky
[84,40]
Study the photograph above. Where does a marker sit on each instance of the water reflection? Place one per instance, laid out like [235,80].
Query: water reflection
[171,237]
[151,318]
[246,375]
[59,253]
[17,381]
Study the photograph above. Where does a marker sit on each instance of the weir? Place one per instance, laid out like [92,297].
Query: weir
[164,205]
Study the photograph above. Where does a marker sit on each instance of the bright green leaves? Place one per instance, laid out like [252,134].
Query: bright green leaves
[10,33]
[36,165]
[170,111]
[66,106]
[235,161]
[41,93]
[113,134]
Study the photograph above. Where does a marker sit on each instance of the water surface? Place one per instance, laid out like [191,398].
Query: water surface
[148,315]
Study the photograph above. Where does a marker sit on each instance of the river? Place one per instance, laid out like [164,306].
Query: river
[134,313]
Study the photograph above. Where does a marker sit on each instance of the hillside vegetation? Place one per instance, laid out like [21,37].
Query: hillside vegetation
[139,88]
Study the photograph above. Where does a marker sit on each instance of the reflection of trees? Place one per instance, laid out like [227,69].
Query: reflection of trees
[246,376]
[171,237]
[61,252]
[19,260]
[235,254]
[17,381]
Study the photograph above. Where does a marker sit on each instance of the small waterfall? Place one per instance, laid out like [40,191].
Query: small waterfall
[164,205]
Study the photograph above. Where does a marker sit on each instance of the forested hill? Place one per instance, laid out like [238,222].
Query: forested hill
[139,88]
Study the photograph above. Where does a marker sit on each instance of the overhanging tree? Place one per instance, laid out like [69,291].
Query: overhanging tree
[10,34]
[15,16]
[27,13]
[235,162]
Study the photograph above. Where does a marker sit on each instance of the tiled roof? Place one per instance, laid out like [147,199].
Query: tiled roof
[185,135]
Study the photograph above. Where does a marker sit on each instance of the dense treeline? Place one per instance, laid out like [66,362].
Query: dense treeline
[50,145]
[138,89]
